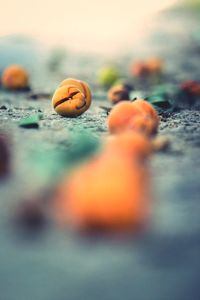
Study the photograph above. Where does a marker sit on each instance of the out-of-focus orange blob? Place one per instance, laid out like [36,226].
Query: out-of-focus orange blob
[143,125]
[154,65]
[139,69]
[131,144]
[148,109]
[191,86]
[106,193]
[148,67]
[15,77]
[72,98]
[120,116]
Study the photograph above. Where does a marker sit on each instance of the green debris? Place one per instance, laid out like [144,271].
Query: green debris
[49,166]
[108,75]
[163,97]
[31,121]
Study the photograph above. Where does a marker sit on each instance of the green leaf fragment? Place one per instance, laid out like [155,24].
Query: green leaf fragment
[31,121]
[163,97]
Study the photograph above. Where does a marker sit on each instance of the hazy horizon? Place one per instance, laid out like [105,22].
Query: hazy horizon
[86,25]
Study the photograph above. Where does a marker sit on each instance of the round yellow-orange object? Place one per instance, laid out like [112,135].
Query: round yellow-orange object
[72,99]
[106,193]
[147,109]
[143,125]
[15,77]
[120,116]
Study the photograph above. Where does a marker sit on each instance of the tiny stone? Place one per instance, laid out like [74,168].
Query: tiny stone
[3,107]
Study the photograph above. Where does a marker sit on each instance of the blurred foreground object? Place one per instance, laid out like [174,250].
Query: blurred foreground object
[72,98]
[110,192]
[30,214]
[15,77]
[129,144]
[4,155]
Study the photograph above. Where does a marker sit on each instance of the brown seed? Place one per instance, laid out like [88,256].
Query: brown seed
[118,93]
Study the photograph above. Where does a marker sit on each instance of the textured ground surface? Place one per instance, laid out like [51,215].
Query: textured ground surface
[161,263]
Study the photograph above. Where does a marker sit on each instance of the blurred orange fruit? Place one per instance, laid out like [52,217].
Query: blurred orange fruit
[143,125]
[148,109]
[15,77]
[131,144]
[120,115]
[106,193]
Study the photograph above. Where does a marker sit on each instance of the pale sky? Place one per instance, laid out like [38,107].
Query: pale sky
[88,24]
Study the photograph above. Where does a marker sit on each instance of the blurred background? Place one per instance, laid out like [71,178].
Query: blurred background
[91,26]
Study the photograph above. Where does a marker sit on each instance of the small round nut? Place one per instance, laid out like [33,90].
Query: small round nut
[118,93]
[72,98]
[15,77]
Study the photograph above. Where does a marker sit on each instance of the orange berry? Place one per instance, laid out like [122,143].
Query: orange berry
[106,193]
[131,144]
[148,109]
[15,77]
[142,124]
[72,98]
[81,85]
[120,116]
